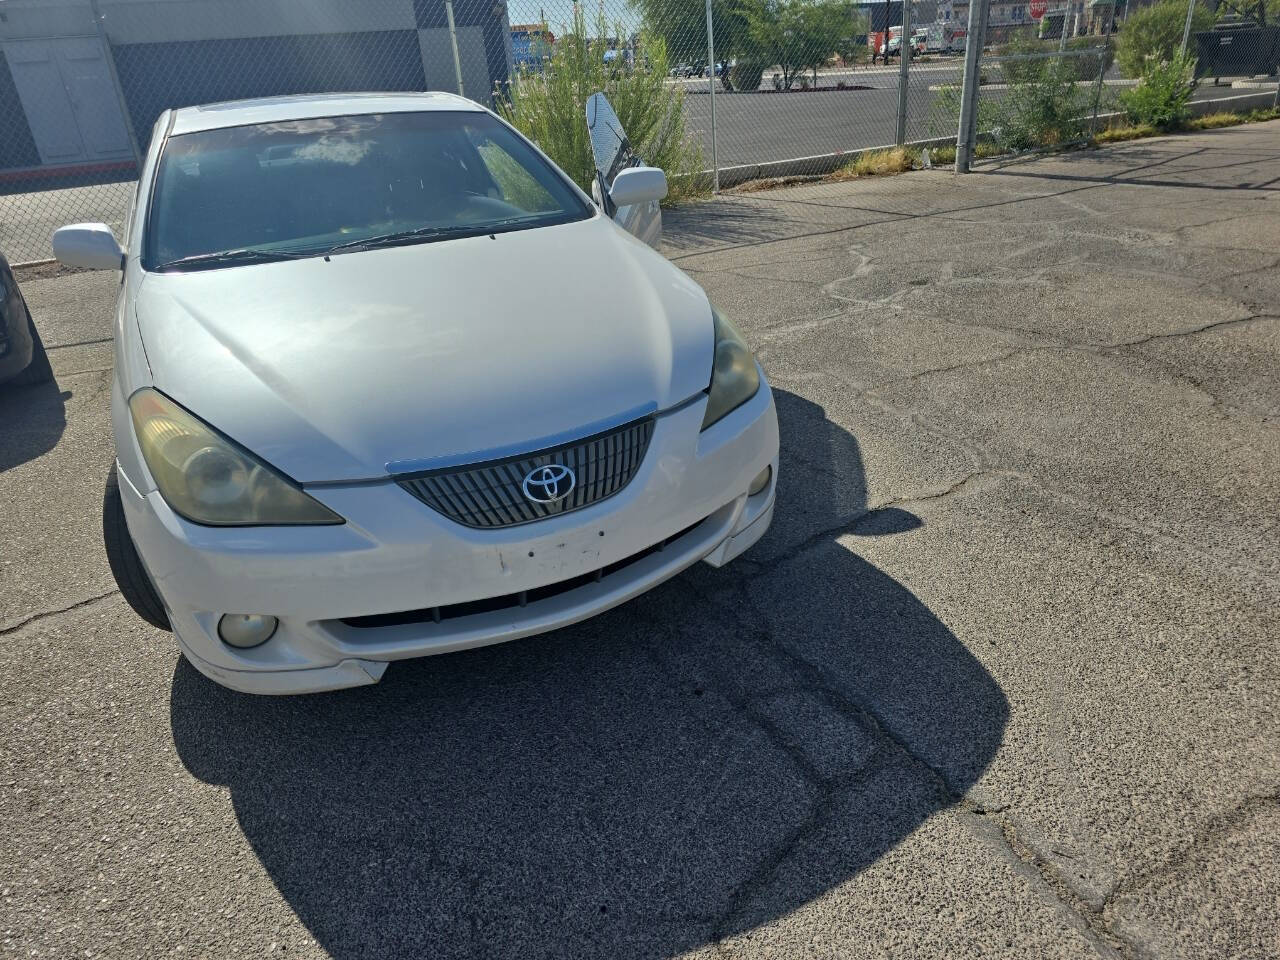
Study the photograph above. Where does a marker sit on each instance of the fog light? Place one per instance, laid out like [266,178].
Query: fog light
[246,629]
[761,481]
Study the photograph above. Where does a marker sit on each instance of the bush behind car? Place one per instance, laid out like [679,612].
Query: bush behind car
[548,107]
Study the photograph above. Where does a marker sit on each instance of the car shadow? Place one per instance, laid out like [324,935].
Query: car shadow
[722,221]
[32,420]
[704,759]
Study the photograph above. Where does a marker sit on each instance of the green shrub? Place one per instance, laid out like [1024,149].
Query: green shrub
[1044,107]
[745,75]
[1162,96]
[944,111]
[549,107]
[1156,31]
[1047,110]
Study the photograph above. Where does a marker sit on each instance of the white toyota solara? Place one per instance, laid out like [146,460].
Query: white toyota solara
[389,384]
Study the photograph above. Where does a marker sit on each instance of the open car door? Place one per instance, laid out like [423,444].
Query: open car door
[626,189]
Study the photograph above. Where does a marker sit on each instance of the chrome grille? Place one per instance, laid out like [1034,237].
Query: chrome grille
[491,494]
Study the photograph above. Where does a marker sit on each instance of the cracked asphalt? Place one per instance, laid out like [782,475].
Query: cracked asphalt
[1000,682]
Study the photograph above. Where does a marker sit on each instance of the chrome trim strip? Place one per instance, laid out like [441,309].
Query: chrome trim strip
[396,468]
[529,447]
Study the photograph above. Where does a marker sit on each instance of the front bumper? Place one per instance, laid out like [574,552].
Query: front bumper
[333,587]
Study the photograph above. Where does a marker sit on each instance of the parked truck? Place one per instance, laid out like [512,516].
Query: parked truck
[944,37]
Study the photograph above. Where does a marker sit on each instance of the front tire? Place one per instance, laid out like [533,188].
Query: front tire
[126,566]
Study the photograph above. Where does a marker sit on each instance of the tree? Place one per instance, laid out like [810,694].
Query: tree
[1156,31]
[1259,10]
[799,35]
[852,46]
[682,25]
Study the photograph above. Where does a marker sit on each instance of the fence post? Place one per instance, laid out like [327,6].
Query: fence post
[904,69]
[711,88]
[1109,27]
[453,39]
[967,130]
[1186,29]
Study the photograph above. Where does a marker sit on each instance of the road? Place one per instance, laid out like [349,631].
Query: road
[1001,681]
[879,75]
[765,126]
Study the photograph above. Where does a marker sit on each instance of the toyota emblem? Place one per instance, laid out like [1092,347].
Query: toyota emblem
[549,484]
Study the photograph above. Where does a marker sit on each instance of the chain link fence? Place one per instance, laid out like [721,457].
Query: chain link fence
[716,91]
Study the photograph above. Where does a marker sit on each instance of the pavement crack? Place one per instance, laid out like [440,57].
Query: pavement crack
[1086,917]
[1209,834]
[950,368]
[1095,917]
[1175,334]
[973,482]
[1218,283]
[888,746]
[984,463]
[813,678]
[6,630]
[1100,349]
[78,343]
[812,824]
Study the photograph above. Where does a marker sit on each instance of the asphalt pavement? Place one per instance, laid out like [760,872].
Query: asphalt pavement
[1001,681]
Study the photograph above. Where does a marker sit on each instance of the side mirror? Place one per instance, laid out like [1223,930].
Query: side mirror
[89,245]
[638,185]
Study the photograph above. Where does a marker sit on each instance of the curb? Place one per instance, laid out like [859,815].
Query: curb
[815,165]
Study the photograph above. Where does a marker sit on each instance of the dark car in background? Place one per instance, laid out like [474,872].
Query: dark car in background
[22,358]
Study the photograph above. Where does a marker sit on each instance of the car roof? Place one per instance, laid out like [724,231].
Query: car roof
[307,106]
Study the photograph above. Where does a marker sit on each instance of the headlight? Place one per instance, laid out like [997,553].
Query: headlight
[734,378]
[208,479]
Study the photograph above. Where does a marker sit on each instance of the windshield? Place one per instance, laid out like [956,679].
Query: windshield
[305,187]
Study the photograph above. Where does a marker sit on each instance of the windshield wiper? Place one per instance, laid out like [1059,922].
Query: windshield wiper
[232,257]
[424,235]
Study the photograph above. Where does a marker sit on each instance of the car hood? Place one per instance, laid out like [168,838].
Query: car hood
[415,357]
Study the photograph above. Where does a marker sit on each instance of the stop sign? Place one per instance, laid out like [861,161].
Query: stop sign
[1038,7]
